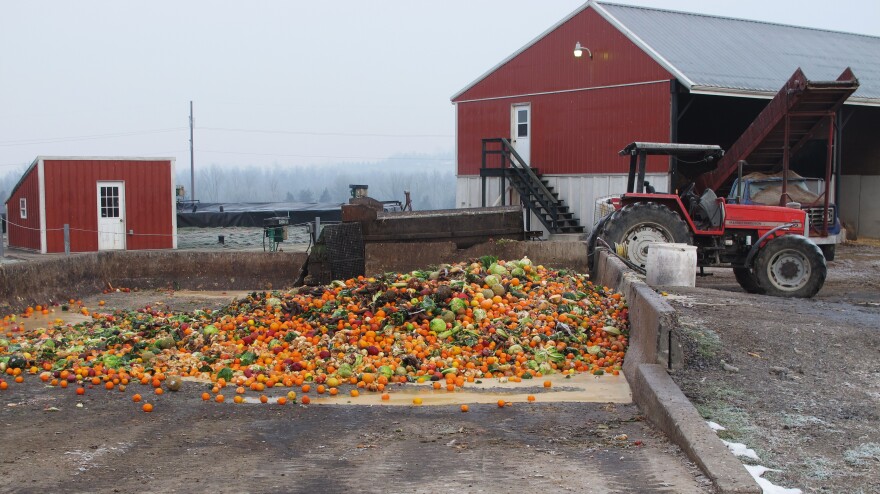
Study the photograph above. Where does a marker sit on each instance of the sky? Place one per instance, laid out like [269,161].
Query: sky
[280,83]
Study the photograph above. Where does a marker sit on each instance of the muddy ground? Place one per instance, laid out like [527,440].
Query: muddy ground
[802,385]
[56,441]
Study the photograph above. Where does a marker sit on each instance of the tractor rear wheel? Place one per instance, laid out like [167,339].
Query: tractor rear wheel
[747,280]
[632,229]
[592,242]
[790,266]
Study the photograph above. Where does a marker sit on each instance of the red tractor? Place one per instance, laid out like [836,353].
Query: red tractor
[765,245]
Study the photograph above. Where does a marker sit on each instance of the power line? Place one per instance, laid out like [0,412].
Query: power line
[339,134]
[327,157]
[50,140]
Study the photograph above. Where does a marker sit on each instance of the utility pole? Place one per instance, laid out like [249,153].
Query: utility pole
[192,170]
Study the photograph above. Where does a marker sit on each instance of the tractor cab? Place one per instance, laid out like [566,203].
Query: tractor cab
[704,212]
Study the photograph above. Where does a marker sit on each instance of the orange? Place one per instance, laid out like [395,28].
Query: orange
[386,396]
[80,390]
[219,398]
[238,399]
[306,400]
[464,408]
[5,385]
[282,400]
[147,407]
[158,391]
[531,398]
[355,393]
[501,403]
[547,384]
[136,398]
[206,396]
[264,399]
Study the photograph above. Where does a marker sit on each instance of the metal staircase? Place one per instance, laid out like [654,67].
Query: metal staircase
[536,193]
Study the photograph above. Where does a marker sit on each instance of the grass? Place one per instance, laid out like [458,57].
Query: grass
[865,454]
[702,344]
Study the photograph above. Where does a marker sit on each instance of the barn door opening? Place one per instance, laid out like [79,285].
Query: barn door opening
[111,216]
[521,130]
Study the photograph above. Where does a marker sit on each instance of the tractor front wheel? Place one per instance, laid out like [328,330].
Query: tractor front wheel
[632,229]
[747,280]
[790,266]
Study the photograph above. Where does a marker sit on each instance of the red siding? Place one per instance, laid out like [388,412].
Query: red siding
[573,132]
[25,233]
[71,198]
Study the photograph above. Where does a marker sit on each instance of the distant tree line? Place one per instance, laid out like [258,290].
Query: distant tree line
[431,182]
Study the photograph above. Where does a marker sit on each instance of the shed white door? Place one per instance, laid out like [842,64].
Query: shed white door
[111,216]
[521,130]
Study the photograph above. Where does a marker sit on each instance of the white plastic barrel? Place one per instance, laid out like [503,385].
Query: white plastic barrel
[671,265]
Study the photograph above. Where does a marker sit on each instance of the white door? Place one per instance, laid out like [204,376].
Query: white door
[111,216]
[521,130]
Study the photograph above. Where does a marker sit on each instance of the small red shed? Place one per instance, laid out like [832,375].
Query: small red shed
[106,203]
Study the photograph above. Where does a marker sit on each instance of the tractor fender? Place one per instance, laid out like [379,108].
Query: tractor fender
[757,245]
[673,203]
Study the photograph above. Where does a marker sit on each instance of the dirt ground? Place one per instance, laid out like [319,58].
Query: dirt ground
[802,385]
[57,441]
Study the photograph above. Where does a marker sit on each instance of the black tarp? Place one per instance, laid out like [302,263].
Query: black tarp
[225,214]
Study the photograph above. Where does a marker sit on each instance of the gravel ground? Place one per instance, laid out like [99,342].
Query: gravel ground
[797,380]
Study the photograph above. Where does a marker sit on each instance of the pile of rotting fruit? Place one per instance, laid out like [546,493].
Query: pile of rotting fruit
[456,324]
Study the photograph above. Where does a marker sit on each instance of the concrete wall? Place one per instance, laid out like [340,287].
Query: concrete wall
[578,191]
[860,205]
[653,324]
[62,278]
[384,257]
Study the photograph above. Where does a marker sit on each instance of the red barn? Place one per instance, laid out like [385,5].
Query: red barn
[107,204]
[654,75]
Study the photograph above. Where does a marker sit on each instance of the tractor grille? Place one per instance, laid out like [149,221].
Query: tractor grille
[815,216]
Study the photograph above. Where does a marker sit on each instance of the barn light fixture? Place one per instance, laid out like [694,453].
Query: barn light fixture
[579,51]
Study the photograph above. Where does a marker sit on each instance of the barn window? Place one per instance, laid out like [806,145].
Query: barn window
[522,123]
[22,208]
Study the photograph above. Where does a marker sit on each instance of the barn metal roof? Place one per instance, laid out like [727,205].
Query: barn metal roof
[716,55]
[721,55]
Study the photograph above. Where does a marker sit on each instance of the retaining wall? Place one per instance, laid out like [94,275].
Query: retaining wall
[652,352]
[61,278]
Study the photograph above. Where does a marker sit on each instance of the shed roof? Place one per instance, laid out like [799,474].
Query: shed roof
[721,55]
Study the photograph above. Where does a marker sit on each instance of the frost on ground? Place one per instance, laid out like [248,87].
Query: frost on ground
[769,487]
[740,449]
[86,460]
[756,471]
[865,454]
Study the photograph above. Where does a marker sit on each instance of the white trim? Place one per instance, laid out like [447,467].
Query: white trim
[22,208]
[522,49]
[173,208]
[41,181]
[562,91]
[651,52]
